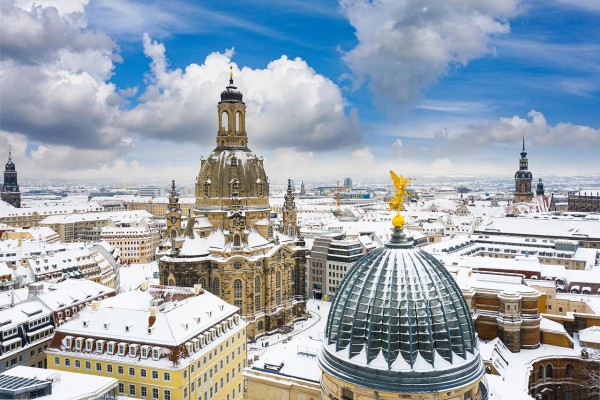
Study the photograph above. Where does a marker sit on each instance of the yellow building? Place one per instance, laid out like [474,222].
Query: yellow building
[160,342]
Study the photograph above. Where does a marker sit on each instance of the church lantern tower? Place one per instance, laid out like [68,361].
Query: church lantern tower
[10,189]
[523,178]
[289,212]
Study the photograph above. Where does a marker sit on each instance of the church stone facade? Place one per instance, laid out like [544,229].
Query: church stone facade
[230,246]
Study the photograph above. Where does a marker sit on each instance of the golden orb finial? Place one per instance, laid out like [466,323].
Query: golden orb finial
[396,202]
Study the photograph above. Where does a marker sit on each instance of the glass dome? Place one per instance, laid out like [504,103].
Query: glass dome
[400,323]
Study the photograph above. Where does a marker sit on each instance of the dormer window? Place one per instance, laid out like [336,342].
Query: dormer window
[207,188]
[155,353]
[235,187]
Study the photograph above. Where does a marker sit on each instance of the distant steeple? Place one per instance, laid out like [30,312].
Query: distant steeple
[540,188]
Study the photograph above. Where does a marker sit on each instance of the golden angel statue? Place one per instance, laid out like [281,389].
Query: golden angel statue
[396,202]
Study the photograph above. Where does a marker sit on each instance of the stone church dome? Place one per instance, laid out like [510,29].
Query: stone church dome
[399,323]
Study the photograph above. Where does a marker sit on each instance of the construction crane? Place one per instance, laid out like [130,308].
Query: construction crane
[339,189]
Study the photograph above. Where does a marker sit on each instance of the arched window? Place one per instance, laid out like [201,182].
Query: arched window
[261,191]
[260,326]
[224,120]
[257,284]
[540,373]
[216,287]
[206,189]
[569,371]
[234,161]
[548,371]
[270,232]
[237,288]
[236,241]
[278,297]
[235,187]
[278,280]
[171,282]
[202,282]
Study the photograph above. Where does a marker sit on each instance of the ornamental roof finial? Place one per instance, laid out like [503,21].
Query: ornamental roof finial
[396,202]
[231,74]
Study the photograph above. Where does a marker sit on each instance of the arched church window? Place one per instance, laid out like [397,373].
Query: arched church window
[237,241]
[270,232]
[202,282]
[278,297]
[548,371]
[257,284]
[278,279]
[235,187]
[171,282]
[570,371]
[234,161]
[237,288]
[216,287]
[225,119]
[540,373]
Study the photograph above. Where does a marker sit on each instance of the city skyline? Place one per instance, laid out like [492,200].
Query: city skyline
[127,91]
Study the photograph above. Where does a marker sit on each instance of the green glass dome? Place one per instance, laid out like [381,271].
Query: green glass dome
[400,323]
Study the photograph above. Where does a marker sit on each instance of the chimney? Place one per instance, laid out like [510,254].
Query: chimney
[95,305]
[35,288]
[144,286]
[198,289]
[154,311]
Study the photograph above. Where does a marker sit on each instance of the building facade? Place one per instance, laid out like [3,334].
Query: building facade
[10,189]
[587,200]
[230,246]
[523,178]
[159,342]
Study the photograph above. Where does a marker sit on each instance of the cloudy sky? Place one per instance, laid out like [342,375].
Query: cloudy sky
[125,90]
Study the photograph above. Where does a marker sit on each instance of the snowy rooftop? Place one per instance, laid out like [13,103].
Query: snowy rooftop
[185,314]
[66,385]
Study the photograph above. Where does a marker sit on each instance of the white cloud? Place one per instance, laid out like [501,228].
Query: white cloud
[405,46]
[53,78]
[289,104]
[509,130]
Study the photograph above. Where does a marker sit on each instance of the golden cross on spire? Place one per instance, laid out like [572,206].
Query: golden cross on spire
[396,202]
[231,71]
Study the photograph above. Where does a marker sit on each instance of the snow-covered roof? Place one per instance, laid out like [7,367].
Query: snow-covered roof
[184,316]
[590,335]
[66,385]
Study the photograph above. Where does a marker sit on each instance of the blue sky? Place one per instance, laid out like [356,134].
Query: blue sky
[127,91]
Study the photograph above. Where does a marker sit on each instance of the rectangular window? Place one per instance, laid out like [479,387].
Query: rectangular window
[167,394]
[142,373]
[154,394]
[166,377]
[56,361]
[120,370]
[121,388]
[77,364]
[143,392]
[155,375]
[67,362]
[98,367]
[88,365]
[132,390]
[108,368]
